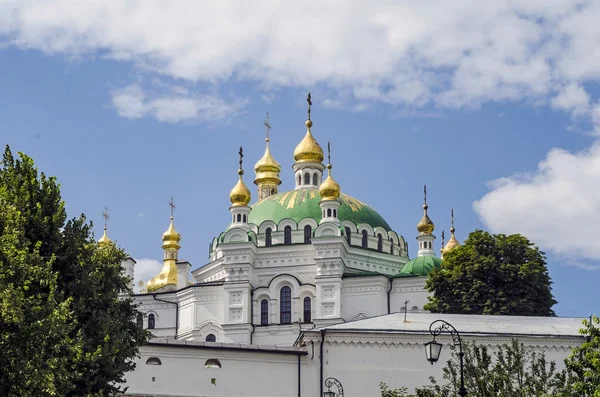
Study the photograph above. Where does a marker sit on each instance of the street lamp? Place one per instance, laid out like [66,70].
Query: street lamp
[331,382]
[433,348]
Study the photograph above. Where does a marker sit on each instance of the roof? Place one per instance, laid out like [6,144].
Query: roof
[421,265]
[304,203]
[465,324]
[165,342]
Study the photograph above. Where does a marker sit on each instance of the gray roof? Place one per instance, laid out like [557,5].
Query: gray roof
[417,323]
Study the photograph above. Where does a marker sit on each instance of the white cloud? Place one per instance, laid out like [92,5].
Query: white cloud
[460,53]
[133,102]
[572,98]
[145,269]
[557,206]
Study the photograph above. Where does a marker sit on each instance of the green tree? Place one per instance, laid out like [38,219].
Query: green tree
[514,371]
[87,276]
[584,364]
[387,392]
[35,323]
[492,274]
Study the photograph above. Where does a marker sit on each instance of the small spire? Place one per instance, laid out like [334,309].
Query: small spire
[452,230]
[241,153]
[328,152]
[104,240]
[452,242]
[267,126]
[240,195]
[308,99]
[172,205]
[329,189]
[443,243]
[425,225]
[425,206]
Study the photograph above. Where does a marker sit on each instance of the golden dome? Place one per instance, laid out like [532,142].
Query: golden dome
[453,242]
[308,150]
[104,240]
[425,225]
[240,195]
[329,189]
[267,168]
[171,237]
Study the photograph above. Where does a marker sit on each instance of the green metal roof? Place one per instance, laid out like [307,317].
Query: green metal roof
[304,203]
[421,265]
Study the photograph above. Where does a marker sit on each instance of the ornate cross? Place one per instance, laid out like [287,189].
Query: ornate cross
[105,216]
[443,239]
[241,153]
[425,193]
[328,152]
[309,104]
[267,125]
[172,205]
[452,214]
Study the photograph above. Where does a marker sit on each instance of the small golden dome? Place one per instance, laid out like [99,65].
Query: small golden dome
[329,189]
[425,225]
[267,168]
[171,237]
[308,150]
[453,242]
[240,195]
[104,240]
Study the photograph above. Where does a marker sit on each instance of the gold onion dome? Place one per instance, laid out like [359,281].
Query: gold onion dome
[329,189]
[425,225]
[104,240]
[240,195]
[171,237]
[308,150]
[267,167]
[452,242]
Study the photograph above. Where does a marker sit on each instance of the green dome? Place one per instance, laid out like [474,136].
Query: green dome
[304,203]
[421,265]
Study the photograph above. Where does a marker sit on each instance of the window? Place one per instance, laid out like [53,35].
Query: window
[268,238]
[153,361]
[307,310]
[245,218]
[264,312]
[239,218]
[212,363]
[140,320]
[334,213]
[151,321]
[299,179]
[348,235]
[379,242]
[211,338]
[328,212]
[365,239]
[392,247]
[315,179]
[307,234]
[287,235]
[285,305]
[414,308]
[430,245]
[307,179]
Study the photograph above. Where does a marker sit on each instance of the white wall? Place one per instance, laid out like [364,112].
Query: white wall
[243,373]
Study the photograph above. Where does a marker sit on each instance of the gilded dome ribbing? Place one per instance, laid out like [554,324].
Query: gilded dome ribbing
[425,225]
[171,237]
[240,195]
[329,189]
[453,242]
[308,150]
[104,240]
[267,168]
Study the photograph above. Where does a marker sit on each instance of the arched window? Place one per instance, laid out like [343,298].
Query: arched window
[211,338]
[268,238]
[299,179]
[348,235]
[285,305]
[239,218]
[307,179]
[153,361]
[307,234]
[414,308]
[328,212]
[430,245]
[151,321]
[315,179]
[140,320]
[391,247]
[264,312]
[365,239]
[334,213]
[379,242]
[244,218]
[307,310]
[287,235]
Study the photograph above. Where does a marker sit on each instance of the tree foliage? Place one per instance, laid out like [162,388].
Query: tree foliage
[82,290]
[492,274]
[584,364]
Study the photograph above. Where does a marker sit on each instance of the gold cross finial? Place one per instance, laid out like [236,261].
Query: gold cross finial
[425,194]
[452,215]
[309,104]
[328,152]
[241,153]
[267,126]
[172,205]
[105,216]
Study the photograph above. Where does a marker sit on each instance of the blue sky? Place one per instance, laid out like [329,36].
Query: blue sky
[493,105]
